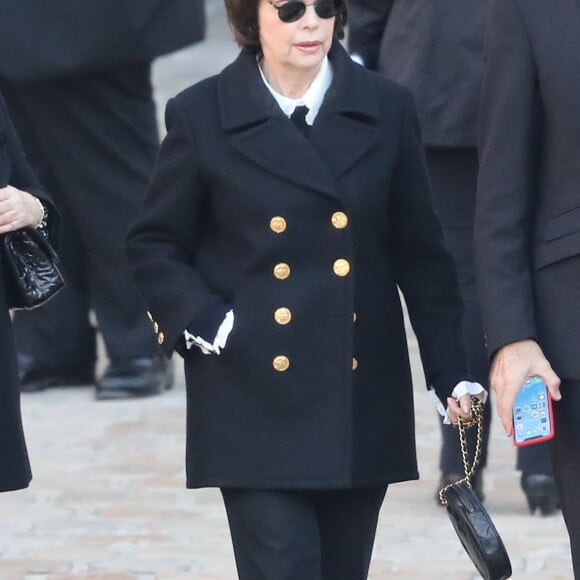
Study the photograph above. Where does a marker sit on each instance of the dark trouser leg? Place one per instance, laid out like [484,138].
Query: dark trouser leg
[534,459]
[97,136]
[348,523]
[453,174]
[310,535]
[275,535]
[565,455]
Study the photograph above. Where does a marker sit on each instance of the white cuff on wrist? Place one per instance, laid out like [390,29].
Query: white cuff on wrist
[219,341]
[460,389]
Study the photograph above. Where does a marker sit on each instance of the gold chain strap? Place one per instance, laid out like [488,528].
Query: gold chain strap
[476,418]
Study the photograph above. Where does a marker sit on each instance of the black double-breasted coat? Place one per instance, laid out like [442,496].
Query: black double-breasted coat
[309,241]
[14,465]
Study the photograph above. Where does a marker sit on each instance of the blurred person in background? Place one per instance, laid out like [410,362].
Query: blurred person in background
[435,48]
[22,204]
[289,203]
[527,226]
[76,77]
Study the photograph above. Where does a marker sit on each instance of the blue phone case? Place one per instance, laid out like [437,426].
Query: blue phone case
[532,414]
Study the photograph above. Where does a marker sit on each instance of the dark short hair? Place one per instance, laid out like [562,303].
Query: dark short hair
[243,19]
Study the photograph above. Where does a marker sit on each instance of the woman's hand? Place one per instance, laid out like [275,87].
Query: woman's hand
[18,209]
[461,408]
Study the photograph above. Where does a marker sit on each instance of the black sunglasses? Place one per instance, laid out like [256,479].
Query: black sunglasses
[294,9]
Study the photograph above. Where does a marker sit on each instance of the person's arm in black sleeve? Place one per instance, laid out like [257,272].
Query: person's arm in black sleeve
[161,246]
[425,271]
[22,176]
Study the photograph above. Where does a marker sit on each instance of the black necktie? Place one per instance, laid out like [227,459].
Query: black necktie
[299,119]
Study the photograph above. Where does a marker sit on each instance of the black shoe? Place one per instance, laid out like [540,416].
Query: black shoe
[35,377]
[135,377]
[541,493]
[447,478]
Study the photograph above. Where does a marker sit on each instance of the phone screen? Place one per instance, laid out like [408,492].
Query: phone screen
[532,413]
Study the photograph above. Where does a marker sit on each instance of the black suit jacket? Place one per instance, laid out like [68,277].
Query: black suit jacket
[528,207]
[14,467]
[65,37]
[434,48]
[341,414]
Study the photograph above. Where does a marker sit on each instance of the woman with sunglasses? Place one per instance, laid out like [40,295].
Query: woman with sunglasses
[289,204]
[20,206]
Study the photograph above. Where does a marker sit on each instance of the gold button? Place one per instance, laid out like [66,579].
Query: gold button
[354,364]
[150,316]
[281,271]
[278,224]
[282,315]
[160,338]
[341,267]
[156,327]
[281,363]
[354,316]
[339,220]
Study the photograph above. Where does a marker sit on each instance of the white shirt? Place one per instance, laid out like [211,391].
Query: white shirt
[312,98]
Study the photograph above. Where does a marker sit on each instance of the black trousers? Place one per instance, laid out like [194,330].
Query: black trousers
[565,455]
[92,141]
[453,174]
[303,535]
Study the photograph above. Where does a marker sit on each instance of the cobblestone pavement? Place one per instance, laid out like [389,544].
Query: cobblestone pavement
[108,500]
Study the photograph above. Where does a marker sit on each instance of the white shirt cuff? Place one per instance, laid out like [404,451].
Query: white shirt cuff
[460,389]
[223,332]
[219,341]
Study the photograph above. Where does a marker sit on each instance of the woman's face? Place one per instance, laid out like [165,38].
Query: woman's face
[294,47]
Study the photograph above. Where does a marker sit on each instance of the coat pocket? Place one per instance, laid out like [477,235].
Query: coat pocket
[563,225]
[561,239]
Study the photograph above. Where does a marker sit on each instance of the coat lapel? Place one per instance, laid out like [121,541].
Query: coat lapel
[342,133]
[346,127]
[277,146]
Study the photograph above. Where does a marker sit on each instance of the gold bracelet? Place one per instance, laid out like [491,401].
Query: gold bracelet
[42,212]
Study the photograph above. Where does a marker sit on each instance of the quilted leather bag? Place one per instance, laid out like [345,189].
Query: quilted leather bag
[30,268]
[470,519]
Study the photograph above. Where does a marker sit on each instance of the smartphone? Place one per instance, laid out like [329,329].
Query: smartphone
[532,414]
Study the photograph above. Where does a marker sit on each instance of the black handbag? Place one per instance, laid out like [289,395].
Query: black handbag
[31,269]
[470,519]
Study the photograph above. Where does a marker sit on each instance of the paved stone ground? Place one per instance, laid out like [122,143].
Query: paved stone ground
[108,500]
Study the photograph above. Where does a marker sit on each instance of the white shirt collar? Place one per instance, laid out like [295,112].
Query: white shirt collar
[312,98]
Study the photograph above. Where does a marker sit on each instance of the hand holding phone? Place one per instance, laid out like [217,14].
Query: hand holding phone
[532,414]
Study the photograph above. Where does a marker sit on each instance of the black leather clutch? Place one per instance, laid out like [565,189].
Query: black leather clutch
[31,269]
[470,519]
[477,533]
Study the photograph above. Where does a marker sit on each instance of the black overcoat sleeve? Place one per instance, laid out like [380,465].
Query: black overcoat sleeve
[425,271]
[161,245]
[506,184]
[20,173]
